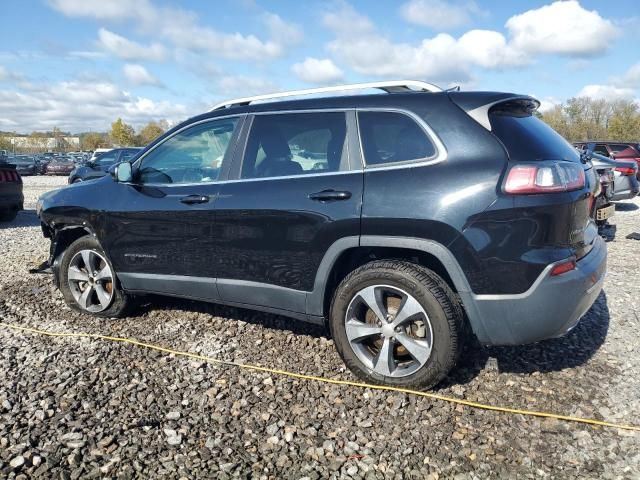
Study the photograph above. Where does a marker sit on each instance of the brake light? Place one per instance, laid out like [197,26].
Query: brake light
[626,170]
[544,177]
[563,267]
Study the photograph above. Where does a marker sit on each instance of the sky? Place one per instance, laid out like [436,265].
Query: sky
[80,64]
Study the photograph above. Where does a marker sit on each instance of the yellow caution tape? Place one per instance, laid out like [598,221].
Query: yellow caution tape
[314,378]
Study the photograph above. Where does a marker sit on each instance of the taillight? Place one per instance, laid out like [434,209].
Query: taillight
[544,177]
[563,267]
[626,170]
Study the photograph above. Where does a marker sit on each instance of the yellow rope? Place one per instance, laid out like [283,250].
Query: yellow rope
[301,376]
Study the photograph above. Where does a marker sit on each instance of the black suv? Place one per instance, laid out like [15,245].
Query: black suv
[402,220]
[100,166]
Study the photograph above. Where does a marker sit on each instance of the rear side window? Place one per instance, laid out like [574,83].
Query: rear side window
[392,137]
[295,144]
[527,138]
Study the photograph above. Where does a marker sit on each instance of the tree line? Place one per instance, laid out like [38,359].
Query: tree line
[585,118]
[120,135]
[123,135]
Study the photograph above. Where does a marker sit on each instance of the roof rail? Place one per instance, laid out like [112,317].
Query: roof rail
[391,86]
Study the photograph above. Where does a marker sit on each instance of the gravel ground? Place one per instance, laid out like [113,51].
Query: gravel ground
[72,408]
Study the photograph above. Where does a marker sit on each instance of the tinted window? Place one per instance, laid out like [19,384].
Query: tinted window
[601,149]
[191,156]
[527,138]
[128,155]
[294,144]
[389,137]
[106,159]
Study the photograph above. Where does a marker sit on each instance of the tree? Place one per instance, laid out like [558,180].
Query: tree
[150,132]
[122,134]
[93,140]
[584,118]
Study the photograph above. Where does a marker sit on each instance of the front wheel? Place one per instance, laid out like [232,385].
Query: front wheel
[397,323]
[88,282]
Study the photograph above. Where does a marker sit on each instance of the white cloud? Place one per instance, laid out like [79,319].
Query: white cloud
[240,85]
[439,14]
[102,9]
[79,106]
[127,49]
[563,28]
[319,71]
[630,79]
[607,92]
[138,75]
[183,29]
[441,58]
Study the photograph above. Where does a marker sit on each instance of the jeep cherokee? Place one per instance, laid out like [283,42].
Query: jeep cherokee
[402,220]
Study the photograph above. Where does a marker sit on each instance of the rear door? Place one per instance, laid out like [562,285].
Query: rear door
[296,191]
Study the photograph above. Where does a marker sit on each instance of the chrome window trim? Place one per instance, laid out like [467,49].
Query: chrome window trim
[441,151]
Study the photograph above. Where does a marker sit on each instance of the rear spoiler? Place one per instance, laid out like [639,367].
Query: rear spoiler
[478,104]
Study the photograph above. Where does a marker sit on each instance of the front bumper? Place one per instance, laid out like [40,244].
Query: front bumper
[550,308]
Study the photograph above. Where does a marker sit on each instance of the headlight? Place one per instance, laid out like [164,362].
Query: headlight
[38,207]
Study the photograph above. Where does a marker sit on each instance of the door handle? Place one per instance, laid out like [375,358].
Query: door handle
[194,199]
[330,195]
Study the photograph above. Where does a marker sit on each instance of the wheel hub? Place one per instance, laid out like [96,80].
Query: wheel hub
[388,330]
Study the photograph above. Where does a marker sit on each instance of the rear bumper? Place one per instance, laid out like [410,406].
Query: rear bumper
[625,188]
[11,200]
[550,308]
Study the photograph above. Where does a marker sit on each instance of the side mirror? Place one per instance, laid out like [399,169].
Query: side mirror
[122,172]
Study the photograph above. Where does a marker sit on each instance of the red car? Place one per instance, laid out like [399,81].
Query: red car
[59,166]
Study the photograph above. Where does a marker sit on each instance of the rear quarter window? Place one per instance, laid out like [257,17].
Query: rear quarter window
[528,138]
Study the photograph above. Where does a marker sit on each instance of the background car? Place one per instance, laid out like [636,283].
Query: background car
[25,165]
[11,197]
[59,166]
[625,151]
[625,184]
[100,165]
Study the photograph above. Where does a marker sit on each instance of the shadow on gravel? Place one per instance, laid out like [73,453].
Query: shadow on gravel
[25,218]
[264,319]
[626,207]
[569,351]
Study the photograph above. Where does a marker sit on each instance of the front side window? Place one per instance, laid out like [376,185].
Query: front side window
[391,137]
[191,156]
[602,150]
[294,144]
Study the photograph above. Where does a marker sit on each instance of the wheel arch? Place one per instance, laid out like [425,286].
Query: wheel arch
[351,252]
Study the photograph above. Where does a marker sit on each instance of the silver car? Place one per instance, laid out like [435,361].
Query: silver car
[625,183]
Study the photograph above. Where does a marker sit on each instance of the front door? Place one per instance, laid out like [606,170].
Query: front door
[162,233]
[295,194]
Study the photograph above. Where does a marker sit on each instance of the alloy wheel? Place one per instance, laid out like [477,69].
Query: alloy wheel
[90,281]
[388,330]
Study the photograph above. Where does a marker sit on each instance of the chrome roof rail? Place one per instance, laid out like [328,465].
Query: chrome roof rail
[391,86]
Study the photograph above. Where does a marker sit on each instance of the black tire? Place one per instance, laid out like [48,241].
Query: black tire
[8,215]
[436,298]
[120,301]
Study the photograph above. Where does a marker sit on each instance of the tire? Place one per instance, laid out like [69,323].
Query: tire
[433,334]
[76,180]
[8,215]
[105,298]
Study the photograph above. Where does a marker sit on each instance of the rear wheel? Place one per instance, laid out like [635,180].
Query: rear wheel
[88,282]
[397,323]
